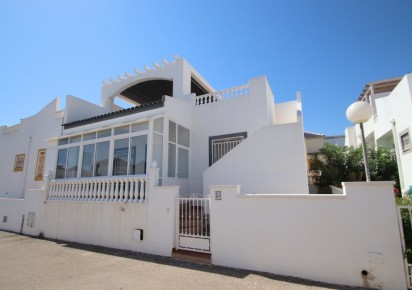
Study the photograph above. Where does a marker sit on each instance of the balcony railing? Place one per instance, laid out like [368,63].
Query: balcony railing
[222,95]
[108,189]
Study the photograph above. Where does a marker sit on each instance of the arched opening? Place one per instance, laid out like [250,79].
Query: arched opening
[147,91]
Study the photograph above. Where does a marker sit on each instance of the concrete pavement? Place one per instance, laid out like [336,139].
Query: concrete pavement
[31,263]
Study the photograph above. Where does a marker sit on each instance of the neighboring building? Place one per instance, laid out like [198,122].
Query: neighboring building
[338,140]
[313,142]
[391,123]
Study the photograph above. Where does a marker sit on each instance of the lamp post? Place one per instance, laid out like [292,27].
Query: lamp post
[359,113]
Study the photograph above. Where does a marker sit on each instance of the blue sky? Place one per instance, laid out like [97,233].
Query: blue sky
[326,49]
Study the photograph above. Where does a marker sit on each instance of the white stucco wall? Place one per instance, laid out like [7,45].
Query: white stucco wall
[78,109]
[246,113]
[17,212]
[313,144]
[26,138]
[286,112]
[99,223]
[326,238]
[112,224]
[271,160]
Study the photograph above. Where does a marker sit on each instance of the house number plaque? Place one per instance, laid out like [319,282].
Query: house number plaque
[218,195]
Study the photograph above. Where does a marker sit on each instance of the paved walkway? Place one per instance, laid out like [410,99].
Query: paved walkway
[30,263]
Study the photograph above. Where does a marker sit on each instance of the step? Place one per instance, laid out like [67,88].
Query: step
[191,256]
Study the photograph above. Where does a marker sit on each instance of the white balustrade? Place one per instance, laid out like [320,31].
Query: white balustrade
[222,95]
[112,189]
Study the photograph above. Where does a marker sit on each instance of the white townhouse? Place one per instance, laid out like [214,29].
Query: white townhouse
[187,168]
[175,120]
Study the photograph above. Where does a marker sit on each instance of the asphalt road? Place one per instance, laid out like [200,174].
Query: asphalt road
[32,263]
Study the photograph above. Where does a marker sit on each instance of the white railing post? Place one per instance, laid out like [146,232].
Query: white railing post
[130,190]
[93,197]
[98,193]
[116,189]
[111,190]
[135,191]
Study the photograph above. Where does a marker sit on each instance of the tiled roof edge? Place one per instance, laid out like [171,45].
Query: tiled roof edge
[108,116]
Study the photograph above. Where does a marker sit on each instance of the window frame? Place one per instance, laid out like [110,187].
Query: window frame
[64,143]
[405,147]
[177,147]
[220,137]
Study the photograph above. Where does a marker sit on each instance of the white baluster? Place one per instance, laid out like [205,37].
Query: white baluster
[126,190]
[99,190]
[72,189]
[135,191]
[66,190]
[116,189]
[111,190]
[139,190]
[121,190]
[146,196]
[58,190]
[93,195]
[130,191]
[76,192]
[84,190]
[51,192]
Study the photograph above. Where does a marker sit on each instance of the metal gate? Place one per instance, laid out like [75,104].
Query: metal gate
[193,224]
[405,226]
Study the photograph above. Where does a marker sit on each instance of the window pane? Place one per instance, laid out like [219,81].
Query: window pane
[61,163]
[104,133]
[63,141]
[183,163]
[89,136]
[102,159]
[88,160]
[406,143]
[172,131]
[140,126]
[120,156]
[183,137]
[171,172]
[72,162]
[158,125]
[158,151]
[122,130]
[75,139]
[138,151]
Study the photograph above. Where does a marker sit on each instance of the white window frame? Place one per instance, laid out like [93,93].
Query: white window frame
[405,147]
[111,139]
[235,137]
[177,150]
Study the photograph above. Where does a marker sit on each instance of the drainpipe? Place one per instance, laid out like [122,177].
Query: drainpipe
[397,153]
[27,167]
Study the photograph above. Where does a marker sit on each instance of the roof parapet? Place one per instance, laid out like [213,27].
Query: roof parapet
[137,71]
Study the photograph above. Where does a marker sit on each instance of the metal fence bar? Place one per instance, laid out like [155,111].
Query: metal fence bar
[193,223]
[408,267]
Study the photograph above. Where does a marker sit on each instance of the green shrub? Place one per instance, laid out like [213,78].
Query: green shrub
[339,164]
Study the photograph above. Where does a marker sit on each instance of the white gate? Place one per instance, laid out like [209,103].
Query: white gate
[405,226]
[193,224]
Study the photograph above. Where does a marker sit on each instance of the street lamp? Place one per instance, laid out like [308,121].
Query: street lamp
[359,113]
